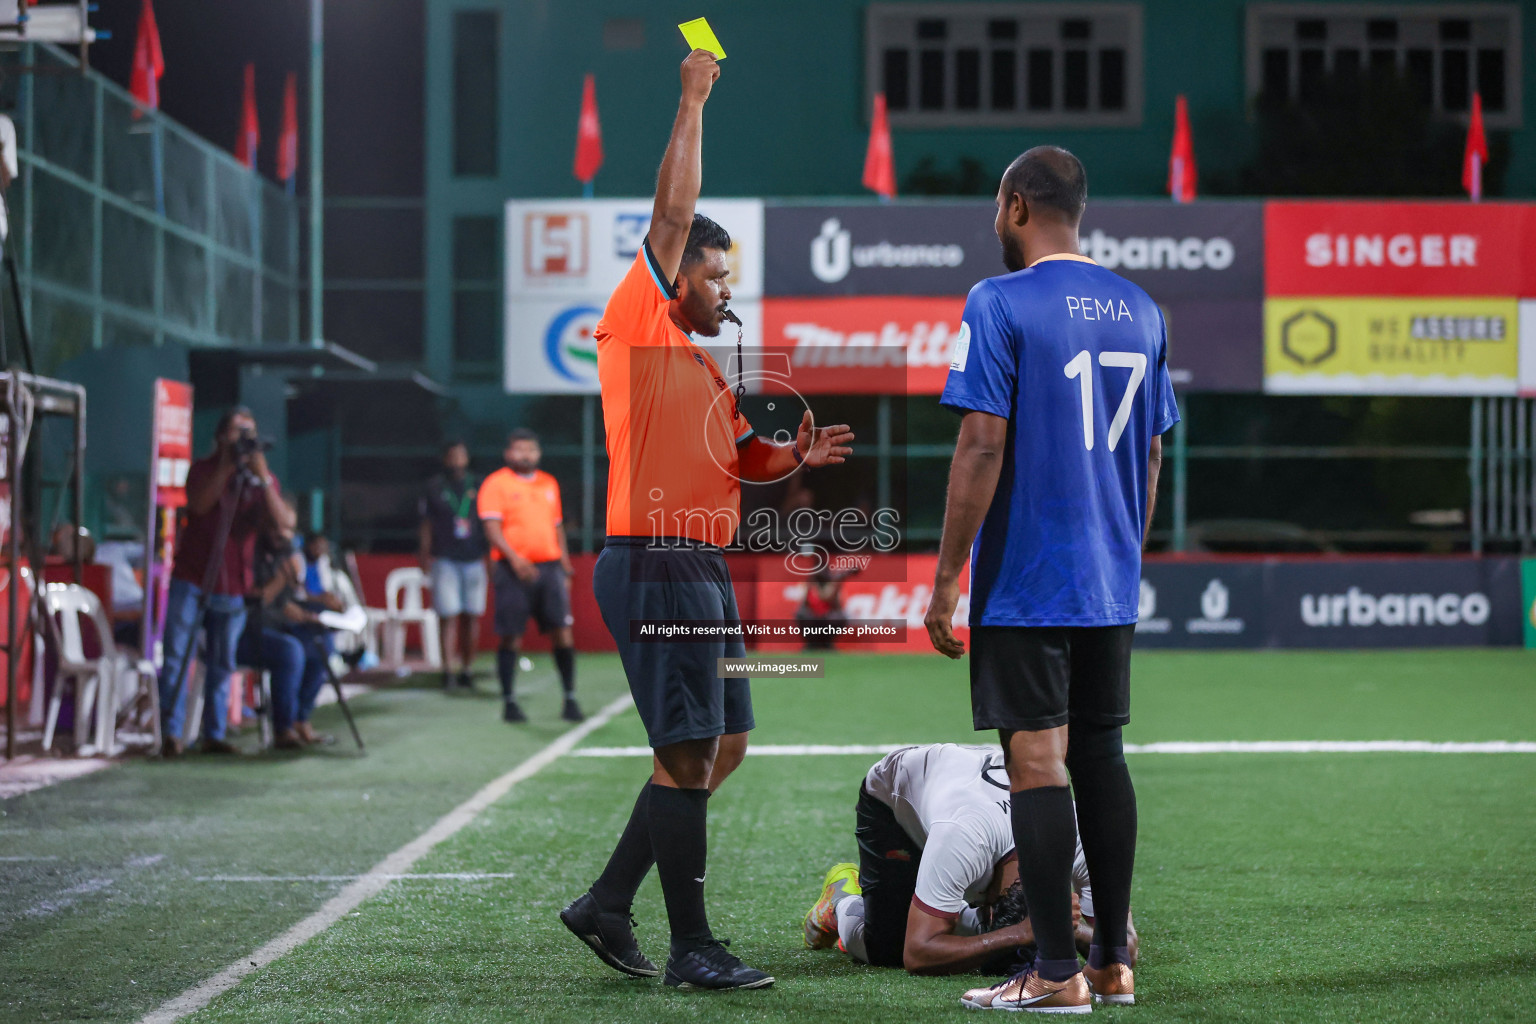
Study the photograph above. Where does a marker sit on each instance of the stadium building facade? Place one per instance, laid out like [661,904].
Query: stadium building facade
[969,86]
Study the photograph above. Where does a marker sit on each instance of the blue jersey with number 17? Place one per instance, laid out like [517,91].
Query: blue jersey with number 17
[1075,357]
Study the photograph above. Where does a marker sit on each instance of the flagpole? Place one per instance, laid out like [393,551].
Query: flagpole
[316,168]
[586,190]
[1178,179]
[1477,178]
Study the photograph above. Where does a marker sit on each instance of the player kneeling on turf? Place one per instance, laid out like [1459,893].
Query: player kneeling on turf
[936,887]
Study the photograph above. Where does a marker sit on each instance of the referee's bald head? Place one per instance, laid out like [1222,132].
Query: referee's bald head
[1048,178]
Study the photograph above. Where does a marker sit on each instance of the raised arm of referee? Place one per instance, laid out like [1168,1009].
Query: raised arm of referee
[678,451]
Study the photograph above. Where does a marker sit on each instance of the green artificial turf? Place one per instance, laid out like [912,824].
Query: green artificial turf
[1275,887]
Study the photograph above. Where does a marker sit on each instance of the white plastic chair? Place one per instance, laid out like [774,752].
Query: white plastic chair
[94,679]
[365,638]
[405,603]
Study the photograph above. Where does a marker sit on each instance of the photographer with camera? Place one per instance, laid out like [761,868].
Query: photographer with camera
[232,497]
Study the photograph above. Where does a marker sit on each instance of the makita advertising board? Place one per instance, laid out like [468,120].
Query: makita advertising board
[1199,250]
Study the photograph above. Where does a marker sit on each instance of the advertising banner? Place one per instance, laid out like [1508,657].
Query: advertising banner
[865,345]
[1431,248]
[550,349]
[576,249]
[170,457]
[1528,601]
[1528,347]
[1203,263]
[1391,346]
[1200,250]
[872,595]
[1423,602]
[935,248]
[1201,604]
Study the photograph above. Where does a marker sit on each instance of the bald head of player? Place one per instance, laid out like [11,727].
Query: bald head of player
[1039,205]
[701,289]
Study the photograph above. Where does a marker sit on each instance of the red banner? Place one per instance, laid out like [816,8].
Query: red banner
[864,345]
[1383,249]
[902,600]
[173,441]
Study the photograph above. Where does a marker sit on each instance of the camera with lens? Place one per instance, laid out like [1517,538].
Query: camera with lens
[249,444]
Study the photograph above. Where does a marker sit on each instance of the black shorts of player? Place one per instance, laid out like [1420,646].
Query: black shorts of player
[676,684]
[888,862]
[545,599]
[1027,678]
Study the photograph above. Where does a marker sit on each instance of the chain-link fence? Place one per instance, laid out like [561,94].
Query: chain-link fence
[127,229]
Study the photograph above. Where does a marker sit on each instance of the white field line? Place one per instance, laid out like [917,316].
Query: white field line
[1219,747]
[448,876]
[380,875]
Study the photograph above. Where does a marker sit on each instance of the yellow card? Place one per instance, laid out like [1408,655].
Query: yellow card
[701,37]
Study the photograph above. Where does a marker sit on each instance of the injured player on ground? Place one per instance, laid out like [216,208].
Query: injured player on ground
[936,886]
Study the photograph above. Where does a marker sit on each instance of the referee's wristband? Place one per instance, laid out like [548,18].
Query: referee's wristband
[794,447]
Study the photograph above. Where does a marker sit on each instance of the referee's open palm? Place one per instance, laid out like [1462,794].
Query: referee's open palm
[823,446]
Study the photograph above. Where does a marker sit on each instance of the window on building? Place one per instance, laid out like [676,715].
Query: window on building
[1006,64]
[476,38]
[477,328]
[1444,52]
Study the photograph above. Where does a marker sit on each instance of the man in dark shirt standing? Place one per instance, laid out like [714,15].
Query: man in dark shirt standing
[231,497]
[452,550]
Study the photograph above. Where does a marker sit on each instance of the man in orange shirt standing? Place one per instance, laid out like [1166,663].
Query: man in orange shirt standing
[520,506]
[678,450]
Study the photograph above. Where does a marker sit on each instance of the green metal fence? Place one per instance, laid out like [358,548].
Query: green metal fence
[128,229]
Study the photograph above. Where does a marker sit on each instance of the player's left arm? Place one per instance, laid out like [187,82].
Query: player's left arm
[973,477]
[813,446]
[1154,467]
[931,947]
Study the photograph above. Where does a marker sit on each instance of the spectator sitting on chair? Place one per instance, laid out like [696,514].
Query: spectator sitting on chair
[287,640]
[266,645]
[452,550]
[232,485]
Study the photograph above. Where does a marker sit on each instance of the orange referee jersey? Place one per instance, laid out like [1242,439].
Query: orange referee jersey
[528,509]
[673,465]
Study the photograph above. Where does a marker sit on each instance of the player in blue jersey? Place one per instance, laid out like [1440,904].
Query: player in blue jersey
[1060,374]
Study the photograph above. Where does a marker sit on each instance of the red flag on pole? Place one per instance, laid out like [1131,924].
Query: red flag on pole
[879,161]
[589,134]
[148,61]
[1476,154]
[250,127]
[288,142]
[1181,161]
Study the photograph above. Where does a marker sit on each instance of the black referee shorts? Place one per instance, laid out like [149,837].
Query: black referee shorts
[545,599]
[676,683]
[1028,678]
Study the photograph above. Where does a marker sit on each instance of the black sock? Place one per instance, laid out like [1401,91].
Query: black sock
[677,821]
[1106,818]
[506,671]
[1046,842]
[565,661]
[631,860]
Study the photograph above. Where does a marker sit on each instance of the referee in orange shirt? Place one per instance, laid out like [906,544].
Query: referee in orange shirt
[678,449]
[531,567]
